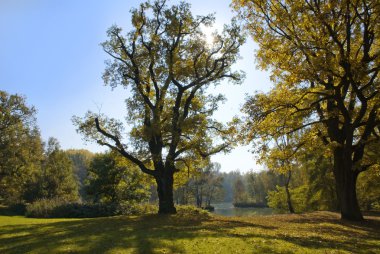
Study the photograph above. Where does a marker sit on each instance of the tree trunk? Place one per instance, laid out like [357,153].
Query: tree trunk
[165,194]
[288,198]
[199,198]
[345,179]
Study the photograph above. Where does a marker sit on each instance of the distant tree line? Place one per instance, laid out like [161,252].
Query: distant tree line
[32,170]
[202,188]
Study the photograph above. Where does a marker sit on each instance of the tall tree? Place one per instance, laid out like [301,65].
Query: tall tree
[325,61]
[80,159]
[214,184]
[240,193]
[20,147]
[207,185]
[282,158]
[167,64]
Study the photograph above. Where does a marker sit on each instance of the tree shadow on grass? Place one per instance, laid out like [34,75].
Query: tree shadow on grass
[351,236]
[87,235]
[145,234]
[371,224]
[152,234]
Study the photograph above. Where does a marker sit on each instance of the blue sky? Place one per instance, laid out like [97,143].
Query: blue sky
[49,52]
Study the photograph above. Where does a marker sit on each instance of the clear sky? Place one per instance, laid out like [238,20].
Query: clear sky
[49,52]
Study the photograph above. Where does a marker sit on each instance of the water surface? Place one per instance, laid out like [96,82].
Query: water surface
[228,209]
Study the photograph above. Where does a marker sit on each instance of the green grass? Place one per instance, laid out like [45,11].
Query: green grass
[319,232]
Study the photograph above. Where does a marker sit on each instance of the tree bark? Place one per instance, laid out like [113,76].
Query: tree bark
[288,197]
[345,179]
[165,194]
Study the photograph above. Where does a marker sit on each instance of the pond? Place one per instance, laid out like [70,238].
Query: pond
[228,209]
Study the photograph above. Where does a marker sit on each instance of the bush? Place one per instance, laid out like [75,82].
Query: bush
[250,205]
[55,208]
[12,210]
[209,208]
[375,206]
[188,211]
[134,208]
[17,209]
[41,208]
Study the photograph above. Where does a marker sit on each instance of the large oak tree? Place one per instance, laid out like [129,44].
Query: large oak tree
[167,65]
[325,62]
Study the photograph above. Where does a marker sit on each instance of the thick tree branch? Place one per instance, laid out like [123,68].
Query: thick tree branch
[119,147]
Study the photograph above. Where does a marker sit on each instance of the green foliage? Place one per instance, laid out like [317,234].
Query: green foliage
[13,210]
[202,188]
[192,212]
[277,199]
[58,208]
[228,184]
[260,184]
[26,172]
[167,65]
[135,208]
[324,62]
[57,178]
[112,178]
[319,179]
[240,193]
[80,159]
[20,147]
[368,189]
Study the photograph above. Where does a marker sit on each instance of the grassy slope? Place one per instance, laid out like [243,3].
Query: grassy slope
[319,232]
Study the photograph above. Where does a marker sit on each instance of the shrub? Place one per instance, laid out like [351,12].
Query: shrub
[55,208]
[250,204]
[375,206]
[209,208]
[17,209]
[41,208]
[134,208]
[12,210]
[188,211]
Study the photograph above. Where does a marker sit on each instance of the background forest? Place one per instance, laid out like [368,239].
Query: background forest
[52,182]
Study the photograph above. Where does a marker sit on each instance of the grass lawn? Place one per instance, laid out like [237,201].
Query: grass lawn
[318,232]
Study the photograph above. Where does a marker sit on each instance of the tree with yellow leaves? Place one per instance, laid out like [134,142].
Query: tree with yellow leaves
[324,57]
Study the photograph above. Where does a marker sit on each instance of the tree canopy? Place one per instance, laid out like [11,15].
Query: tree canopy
[20,146]
[167,65]
[324,57]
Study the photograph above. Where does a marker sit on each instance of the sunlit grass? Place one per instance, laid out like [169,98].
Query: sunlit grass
[320,232]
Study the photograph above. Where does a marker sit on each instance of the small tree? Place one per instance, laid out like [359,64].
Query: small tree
[167,65]
[112,178]
[57,179]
